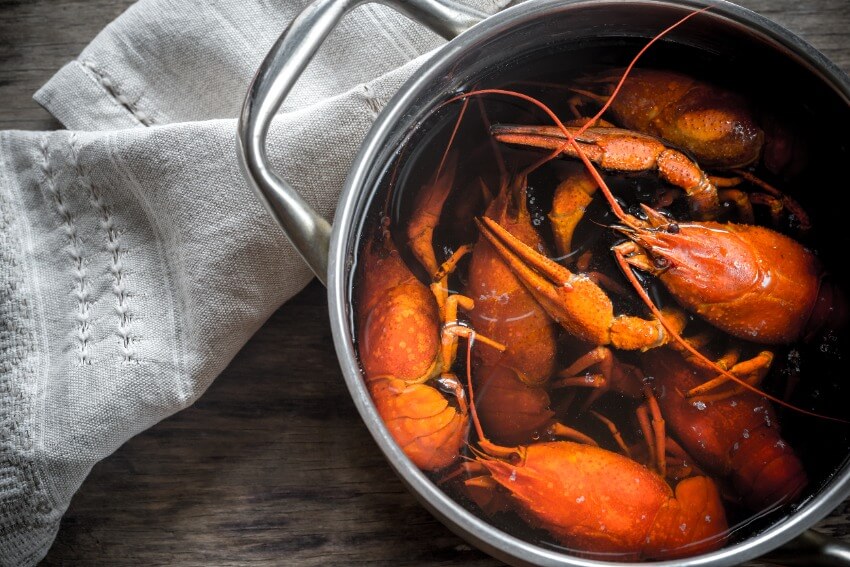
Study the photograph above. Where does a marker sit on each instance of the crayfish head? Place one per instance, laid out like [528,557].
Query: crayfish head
[657,242]
[663,249]
[704,265]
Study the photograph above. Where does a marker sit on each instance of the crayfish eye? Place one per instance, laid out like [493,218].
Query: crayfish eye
[661,262]
[514,458]
[673,228]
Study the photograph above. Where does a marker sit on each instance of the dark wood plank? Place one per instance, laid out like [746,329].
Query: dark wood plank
[272,465]
[37,38]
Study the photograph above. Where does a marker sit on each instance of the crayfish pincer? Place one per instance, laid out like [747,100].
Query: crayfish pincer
[614,149]
[715,125]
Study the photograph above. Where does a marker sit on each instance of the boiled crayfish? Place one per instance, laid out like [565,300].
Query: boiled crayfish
[515,305]
[747,280]
[749,283]
[620,150]
[408,338]
[715,125]
[505,310]
[595,500]
[514,402]
[736,438]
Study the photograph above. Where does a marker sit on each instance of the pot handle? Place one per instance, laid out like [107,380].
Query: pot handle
[811,549]
[309,232]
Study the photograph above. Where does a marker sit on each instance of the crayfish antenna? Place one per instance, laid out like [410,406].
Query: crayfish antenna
[601,99]
[429,204]
[788,202]
[512,454]
[462,467]
[635,59]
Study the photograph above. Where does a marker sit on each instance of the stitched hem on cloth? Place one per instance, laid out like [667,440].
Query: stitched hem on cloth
[98,102]
[28,521]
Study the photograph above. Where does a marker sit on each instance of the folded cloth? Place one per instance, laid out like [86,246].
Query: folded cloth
[134,259]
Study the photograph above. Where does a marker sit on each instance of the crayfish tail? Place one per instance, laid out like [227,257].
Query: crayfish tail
[692,522]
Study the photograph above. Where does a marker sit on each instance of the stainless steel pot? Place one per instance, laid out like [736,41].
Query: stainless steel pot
[477,46]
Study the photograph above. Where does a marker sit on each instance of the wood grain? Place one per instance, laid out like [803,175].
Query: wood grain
[272,465]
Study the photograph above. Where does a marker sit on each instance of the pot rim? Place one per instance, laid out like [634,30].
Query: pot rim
[462,522]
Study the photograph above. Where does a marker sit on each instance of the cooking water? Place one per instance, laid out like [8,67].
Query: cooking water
[807,374]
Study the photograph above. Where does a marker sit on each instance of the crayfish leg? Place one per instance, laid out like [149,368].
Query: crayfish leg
[448,305]
[775,206]
[449,383]
[699,342]
[777,202]
[580,381]
[613,375]
[680,464]
[635,333]
[560,430]
[615,432]
[601,279]
[741,202]
[751,371]
[653,427]
[786,202]
[487,495]
[450,265]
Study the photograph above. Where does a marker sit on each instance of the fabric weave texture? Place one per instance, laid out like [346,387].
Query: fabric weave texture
[135,261]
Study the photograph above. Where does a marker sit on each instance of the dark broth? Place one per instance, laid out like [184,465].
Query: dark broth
[799,102]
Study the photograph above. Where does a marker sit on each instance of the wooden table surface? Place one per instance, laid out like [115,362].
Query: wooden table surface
[272,465]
